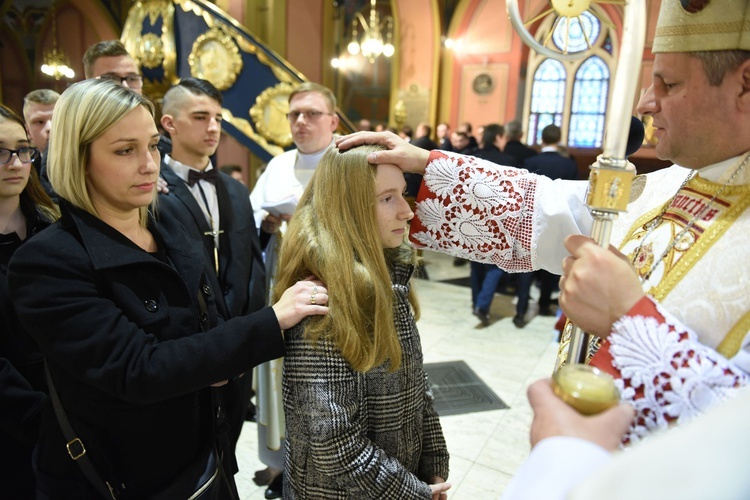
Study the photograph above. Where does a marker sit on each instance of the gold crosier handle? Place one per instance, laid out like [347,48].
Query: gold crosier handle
[609,181]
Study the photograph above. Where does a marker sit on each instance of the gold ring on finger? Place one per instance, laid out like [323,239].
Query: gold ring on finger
[312,298]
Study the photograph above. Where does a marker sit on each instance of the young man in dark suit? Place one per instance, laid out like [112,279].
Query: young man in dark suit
[215,209]
[552,162]
[443,134]
[513,145]
[423,140]
[492,145]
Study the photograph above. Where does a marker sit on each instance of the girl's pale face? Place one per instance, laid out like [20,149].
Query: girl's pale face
[124,164]
[392,210]
[14,175]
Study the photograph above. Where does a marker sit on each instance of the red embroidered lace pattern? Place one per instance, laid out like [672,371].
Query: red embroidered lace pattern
[476,210]
[667,375]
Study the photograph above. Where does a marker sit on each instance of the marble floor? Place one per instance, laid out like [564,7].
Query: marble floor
[486,447]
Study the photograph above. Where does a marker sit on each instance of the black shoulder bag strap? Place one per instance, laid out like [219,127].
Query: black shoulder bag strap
[75,447]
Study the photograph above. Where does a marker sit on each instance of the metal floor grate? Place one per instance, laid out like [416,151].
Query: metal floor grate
[457,389]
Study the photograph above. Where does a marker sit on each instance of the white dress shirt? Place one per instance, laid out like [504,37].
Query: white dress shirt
[204,193]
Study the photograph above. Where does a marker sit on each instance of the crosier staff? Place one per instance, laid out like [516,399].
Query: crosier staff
[610,180]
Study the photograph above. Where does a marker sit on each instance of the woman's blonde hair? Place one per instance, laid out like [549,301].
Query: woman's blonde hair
[84,112]
[334,236]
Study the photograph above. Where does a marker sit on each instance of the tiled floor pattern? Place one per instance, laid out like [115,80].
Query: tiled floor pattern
[486,447]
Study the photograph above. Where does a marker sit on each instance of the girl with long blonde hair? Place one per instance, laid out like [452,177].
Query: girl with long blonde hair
[360,419]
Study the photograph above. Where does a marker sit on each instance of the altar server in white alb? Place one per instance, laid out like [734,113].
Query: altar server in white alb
[675,314]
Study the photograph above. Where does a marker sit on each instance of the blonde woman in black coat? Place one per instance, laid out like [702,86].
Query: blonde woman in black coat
[125,313]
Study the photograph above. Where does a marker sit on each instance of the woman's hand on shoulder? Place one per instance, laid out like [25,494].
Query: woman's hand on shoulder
[305,298]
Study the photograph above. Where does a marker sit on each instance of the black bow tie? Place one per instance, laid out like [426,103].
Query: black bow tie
[207,175]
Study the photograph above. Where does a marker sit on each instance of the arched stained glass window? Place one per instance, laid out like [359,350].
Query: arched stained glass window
[572,94]
[589,104]
[547,97]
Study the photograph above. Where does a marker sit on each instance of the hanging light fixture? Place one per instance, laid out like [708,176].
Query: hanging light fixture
[377,35]
[55,63]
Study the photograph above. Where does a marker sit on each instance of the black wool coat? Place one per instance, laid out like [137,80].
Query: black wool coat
[133,342]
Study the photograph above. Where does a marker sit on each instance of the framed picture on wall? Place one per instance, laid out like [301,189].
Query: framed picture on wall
[483,84]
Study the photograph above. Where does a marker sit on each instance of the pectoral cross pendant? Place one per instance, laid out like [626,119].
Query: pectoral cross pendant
[214,234]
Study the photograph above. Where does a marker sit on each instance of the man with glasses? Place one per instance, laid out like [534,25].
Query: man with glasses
[107,59]
[313,120]
[110,60]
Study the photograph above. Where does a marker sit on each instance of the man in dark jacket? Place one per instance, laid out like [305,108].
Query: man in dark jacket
[466,128]
[513,144]
[423,139]
[38,107]
[216,210]
[443,134]
[461,143]
[491,147]
[552,162]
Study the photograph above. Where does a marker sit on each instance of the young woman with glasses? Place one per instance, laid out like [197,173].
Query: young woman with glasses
[25,209]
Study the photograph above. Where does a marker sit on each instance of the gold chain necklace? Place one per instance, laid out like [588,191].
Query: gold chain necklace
[658,220]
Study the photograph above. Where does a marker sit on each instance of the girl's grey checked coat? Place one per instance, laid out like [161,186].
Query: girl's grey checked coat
[354,435]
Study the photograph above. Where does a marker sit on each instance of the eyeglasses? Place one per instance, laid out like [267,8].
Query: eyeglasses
[310,116]
[132,81]
[25,154]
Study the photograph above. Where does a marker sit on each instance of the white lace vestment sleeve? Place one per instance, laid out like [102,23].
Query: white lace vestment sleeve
[480,211]
[664,372]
